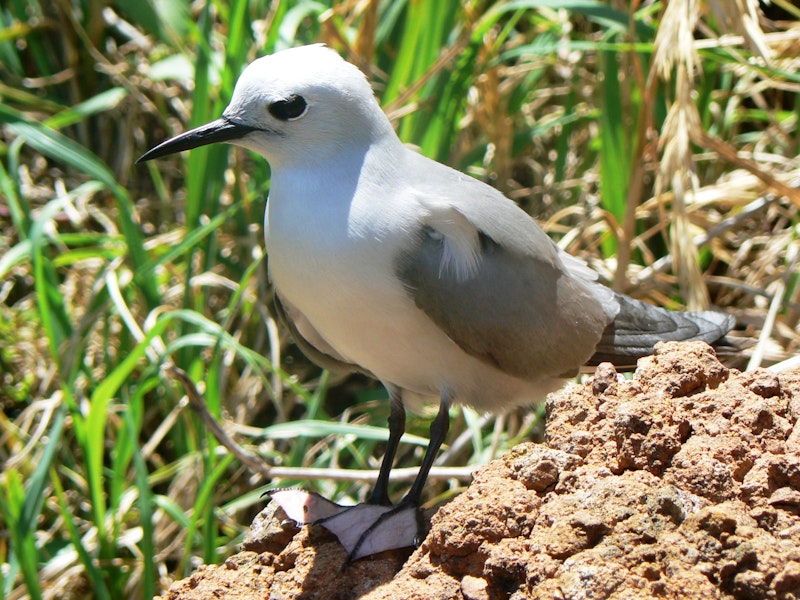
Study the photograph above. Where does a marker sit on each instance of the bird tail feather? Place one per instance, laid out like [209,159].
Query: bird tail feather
[639,326]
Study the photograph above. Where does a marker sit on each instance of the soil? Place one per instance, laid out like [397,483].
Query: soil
[683,482]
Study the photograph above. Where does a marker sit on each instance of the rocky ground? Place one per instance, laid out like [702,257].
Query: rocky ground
[681,483]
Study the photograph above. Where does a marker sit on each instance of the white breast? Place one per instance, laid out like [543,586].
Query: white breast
[331,251]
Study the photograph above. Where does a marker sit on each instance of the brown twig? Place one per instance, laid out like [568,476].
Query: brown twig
[252,461]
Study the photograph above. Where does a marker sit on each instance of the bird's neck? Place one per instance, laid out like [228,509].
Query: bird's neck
[337,171]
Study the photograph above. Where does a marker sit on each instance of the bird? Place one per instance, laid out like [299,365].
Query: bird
[389,263]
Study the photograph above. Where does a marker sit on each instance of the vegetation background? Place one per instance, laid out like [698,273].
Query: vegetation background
[657,140]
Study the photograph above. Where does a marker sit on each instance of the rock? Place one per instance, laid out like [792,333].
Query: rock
[683,482]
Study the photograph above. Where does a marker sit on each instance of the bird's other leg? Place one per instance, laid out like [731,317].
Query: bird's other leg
[397,426]
[402,525]
[439,429]
[378,526]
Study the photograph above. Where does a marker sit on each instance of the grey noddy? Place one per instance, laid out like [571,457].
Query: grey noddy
[390,263]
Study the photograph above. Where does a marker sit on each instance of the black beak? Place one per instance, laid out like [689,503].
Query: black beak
[221,130]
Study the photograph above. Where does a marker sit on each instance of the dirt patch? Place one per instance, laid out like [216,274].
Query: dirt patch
[683,482]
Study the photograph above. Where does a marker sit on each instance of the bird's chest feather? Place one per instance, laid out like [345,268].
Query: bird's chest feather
[334,261]
[322,258]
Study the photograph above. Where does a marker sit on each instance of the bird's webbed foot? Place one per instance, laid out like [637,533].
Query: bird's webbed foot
[363,529]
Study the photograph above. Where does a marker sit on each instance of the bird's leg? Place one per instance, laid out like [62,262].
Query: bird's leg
[439,428]
[376,526]
[397,426]
[398,526]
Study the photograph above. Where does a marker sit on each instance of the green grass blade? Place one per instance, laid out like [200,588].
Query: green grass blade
[102,102]
[22,553]
[17,210]
[94,442]
[24,529]
[313,428]
[615,148]
[146,511]
[191,240]
[93,573]
[201,505]
[55,320]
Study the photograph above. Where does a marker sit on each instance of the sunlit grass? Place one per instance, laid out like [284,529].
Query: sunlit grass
[112,274]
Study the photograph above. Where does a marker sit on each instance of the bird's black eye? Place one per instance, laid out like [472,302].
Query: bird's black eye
[292,107]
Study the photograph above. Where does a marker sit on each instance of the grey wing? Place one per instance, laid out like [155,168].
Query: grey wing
[310,342]
[525,306]
[527,316]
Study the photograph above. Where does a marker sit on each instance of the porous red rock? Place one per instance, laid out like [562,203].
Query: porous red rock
[683,482]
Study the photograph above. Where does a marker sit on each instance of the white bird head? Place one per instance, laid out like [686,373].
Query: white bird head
[303,104]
